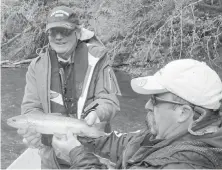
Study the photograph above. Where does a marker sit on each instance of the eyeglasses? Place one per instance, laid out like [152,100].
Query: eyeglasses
[155,100]
[63,31]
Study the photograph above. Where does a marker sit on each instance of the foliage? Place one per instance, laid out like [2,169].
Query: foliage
[139,34]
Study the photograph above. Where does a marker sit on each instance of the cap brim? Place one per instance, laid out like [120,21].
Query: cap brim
[147,85]
[66,25]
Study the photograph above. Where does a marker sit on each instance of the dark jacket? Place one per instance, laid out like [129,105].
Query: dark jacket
[140,150]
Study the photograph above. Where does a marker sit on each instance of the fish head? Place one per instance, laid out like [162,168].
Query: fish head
[20,121]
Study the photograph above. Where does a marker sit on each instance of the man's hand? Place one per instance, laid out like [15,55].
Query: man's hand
[30,137]
[92,118]
[64,144]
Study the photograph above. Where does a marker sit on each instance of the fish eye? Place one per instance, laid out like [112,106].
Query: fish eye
[14,120]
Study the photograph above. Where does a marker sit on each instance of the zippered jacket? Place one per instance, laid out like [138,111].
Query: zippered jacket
[102,90]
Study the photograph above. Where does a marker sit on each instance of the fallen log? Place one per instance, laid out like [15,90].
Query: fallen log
[4,62]
[9,64]
[23,62]
[211,8]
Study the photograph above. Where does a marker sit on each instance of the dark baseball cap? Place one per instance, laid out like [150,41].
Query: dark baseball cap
[62,16]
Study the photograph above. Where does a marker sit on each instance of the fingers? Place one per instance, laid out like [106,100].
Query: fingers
[30,132]
[56,148]
[60,136]
[25,141]
[56,138]
[22,131]
[34,143]
[70,134]
[55,142]
[97,120]
[88,120]
[92,118]
[64,146]
[58,114]
[25,132]
[73,139]
[31,137]
[34,137]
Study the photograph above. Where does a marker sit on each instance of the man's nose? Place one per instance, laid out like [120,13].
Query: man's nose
[58,36]
[149,105]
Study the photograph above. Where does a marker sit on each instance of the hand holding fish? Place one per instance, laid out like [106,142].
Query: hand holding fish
[92,118]
[63,145]
[30,137]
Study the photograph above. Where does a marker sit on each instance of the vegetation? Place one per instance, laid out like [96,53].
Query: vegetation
[140,34]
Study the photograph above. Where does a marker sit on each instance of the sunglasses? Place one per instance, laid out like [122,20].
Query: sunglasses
[63,31]
[155,100]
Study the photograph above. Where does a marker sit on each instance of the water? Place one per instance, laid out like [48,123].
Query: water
[12,89]
[130,118]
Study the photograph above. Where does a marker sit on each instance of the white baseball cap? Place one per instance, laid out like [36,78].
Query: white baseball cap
[189,79]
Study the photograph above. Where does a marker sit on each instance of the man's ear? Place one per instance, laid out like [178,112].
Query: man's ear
[185,114]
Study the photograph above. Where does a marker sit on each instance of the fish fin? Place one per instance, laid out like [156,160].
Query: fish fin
[60,136]
[100,126]
[73,130]
[56,114]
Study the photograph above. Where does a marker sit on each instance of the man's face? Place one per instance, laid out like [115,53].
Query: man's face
[62,40]
[161,117]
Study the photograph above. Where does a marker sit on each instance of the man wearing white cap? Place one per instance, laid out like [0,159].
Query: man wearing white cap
[184,124]
[71,76]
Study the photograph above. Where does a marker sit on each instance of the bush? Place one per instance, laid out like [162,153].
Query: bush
[139,34]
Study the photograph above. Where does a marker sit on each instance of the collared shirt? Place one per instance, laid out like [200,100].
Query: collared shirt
[69,60]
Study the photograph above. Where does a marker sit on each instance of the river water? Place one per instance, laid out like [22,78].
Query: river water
[130,118]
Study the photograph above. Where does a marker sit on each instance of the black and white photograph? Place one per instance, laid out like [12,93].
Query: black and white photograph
[111,84]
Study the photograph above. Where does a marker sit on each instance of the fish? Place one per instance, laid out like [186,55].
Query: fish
[54,123]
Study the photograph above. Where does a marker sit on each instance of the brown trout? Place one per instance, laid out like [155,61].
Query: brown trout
[54,124]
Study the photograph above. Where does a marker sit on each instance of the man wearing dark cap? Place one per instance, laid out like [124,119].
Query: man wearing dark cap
[71,76]
[184,125]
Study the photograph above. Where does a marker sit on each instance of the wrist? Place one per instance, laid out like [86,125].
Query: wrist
[75,151]
[75,145]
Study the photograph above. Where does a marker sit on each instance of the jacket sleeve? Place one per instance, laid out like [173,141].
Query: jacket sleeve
[82,159]
[107,109]
[110,147]
[31,101]
[105,92]
[105,85]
